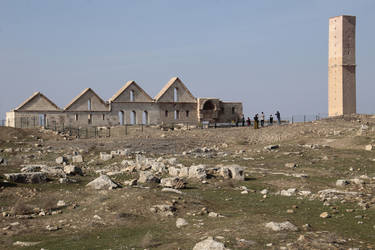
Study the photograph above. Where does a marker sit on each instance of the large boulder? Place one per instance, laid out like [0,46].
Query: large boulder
[102,182]
[173,171]
[33,177]
[72,170]
[198,172]
[232,172]
[184,172]
[147,177]
[172,182]
[209,244]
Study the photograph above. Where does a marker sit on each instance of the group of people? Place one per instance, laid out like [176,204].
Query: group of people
[261,119]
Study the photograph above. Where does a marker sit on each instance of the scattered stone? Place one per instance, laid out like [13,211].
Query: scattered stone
[209,244]
[342,183]
[173,182]
[77,159]
[36,177]
[72,170]
[271,147]
[61,203]
[132,182]
[289,192]
[25,243]
[282,226]
[163,210]
[180,222]
[264,191]
[61,160]
[213,214]
[325,215]
[232,172]
[147,177]
[198,171]
[171,190]
[102,182]
[105,157]
[369,147]
[291,165]
[52,228]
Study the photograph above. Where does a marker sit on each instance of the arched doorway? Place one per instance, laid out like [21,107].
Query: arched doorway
[208,105]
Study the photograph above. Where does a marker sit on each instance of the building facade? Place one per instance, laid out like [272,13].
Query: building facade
[341,66]
[130,105]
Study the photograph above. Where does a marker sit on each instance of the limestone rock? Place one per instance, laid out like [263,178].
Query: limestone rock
[61,203]
[73,170]
[171,190]
[232,172]
[342,183]
[147,177]
[209,244]
[163,210]
[173,171]
[61,160]
[25,243]
[172,182]
[271,147]
[180,222]
[77,159]
[282,226]
[325,215]
[102,182]
[198,172]
[291,165]
[105,157]
[369,147]
[35,177]
[288,192]
[184,172]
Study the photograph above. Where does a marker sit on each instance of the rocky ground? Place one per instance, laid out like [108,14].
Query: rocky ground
[297,186]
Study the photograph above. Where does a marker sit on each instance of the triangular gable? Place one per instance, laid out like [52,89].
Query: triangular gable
[37,102]
[167,93]
[123,95]
[80,102]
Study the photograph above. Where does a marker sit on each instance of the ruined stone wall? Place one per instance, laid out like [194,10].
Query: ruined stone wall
[140,109]
[230,111]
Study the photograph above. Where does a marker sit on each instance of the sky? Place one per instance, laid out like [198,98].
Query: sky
[270,54]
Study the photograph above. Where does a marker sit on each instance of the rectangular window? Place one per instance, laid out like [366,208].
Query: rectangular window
[166,113]
[103,117]
[233,110]
[89,119]
[76,117]
[187,113]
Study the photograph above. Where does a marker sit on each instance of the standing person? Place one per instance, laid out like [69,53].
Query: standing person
[256,120]
[262,119]
[278,117]
[243,120]
[248,121]
[271,120]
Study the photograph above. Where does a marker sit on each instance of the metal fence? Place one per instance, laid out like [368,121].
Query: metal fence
[124,130]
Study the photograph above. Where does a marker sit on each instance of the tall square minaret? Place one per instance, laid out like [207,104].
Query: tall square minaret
[341,66]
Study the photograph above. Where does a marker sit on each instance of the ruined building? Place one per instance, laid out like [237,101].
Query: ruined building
[130,105]
[341,66]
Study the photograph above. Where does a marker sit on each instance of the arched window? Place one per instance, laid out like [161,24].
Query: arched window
[89,104]
[132,95]
[145,117]
[133,118]
[121,117]
[175,95]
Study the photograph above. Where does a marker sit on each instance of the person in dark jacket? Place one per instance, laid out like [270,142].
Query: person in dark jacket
[278,117]
[256,122]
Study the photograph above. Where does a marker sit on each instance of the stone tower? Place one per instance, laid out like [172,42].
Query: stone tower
[341,66]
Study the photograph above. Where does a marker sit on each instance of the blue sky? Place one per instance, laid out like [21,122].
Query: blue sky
[267,54]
